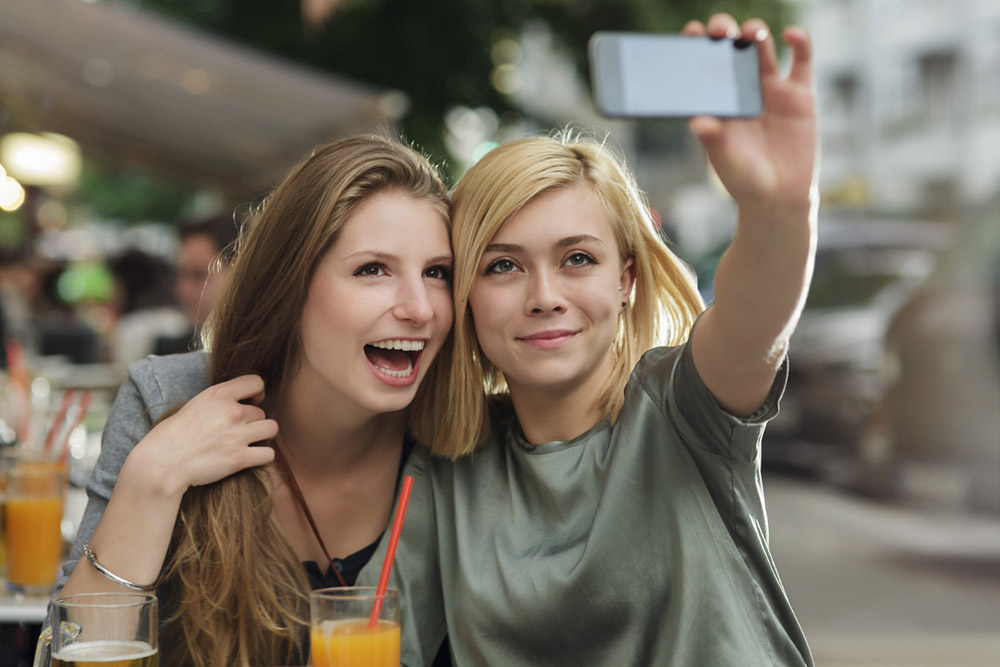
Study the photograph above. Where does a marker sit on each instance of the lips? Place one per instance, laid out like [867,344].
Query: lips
[550,339]
[395,358]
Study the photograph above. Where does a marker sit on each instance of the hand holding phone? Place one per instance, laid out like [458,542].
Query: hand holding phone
[646,75]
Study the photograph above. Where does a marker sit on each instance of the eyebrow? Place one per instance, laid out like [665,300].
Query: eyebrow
[561,243]
[389,257]
[578,238]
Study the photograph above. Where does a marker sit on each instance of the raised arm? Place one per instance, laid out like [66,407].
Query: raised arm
[769,166]
[206,440]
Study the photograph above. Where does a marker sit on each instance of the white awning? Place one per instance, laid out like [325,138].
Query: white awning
[135,88]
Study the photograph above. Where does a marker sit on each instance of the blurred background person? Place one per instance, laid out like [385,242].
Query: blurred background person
[25,296]
[145,306]
[203,258]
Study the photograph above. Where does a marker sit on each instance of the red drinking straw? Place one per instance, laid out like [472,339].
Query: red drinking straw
[57,423]
[390,552]
[22,391]
[81,412]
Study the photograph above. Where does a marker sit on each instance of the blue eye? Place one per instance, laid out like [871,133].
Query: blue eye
[580,259]
[501,266]
[373,269]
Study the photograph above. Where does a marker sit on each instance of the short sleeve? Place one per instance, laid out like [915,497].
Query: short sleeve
[669,376]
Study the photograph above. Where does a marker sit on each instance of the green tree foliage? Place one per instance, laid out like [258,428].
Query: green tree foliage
[132,196]
[438,52]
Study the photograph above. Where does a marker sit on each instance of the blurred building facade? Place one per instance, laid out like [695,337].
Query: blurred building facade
[910,121]
[910,102]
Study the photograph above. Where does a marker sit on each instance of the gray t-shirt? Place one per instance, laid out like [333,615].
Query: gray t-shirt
[639,544]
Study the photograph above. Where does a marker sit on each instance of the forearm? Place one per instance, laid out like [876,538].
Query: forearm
[209,438]
[760,288]
[762,282]
[133,535]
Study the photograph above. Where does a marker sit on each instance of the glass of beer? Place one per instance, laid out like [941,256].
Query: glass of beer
[100,629]
[343,634]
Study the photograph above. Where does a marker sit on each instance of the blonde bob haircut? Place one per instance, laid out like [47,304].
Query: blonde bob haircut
[664,301]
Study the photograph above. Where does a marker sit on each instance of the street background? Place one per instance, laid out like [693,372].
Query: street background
[885,586]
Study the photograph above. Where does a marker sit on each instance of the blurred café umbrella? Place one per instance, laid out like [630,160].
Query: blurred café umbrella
[136,89]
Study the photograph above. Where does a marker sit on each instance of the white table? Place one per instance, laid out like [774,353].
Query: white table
[15,608]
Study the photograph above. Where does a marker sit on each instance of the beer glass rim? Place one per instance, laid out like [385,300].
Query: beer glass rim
[114,600]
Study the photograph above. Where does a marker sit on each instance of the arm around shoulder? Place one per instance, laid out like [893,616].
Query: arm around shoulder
[209,438]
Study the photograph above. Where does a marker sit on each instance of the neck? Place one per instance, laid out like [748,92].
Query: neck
[345,473]
[552,418]
[321,438]
[559,414]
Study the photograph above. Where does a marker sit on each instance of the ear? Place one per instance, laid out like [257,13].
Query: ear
[627,279]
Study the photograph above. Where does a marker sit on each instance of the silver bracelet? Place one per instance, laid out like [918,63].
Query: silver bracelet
[121,581]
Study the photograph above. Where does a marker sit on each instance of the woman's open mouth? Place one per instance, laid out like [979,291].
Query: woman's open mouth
[395,357]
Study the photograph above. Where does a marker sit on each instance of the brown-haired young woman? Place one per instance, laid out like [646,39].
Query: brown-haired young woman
[337,302]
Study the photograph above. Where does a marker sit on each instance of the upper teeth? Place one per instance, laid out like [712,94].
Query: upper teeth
[405,345]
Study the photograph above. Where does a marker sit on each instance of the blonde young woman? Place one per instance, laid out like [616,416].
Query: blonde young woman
[336,305]
[605,507]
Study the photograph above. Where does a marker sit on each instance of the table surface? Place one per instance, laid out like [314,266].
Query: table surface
[17,608]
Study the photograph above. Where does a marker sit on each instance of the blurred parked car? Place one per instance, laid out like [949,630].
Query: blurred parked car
[864,272]
[935,434]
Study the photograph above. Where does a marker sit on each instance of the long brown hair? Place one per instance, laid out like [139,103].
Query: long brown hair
[665,299]
[241,592]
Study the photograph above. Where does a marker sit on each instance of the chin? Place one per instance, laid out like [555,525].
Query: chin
[387,404]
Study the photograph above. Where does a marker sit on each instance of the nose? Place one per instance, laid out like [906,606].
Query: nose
[413,303]
[544,295]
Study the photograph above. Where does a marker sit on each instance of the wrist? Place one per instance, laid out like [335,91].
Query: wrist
[776,212]
[150,477]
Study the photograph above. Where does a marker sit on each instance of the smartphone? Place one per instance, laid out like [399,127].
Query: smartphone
[648,75]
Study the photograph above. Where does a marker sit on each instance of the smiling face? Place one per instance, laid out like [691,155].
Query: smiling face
[379,307]
[545,301]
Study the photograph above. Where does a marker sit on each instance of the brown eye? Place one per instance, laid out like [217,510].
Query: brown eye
[438,273]
[373,269]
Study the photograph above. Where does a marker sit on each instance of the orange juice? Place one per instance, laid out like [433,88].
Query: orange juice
[351,643]
[34,540]
[3,532]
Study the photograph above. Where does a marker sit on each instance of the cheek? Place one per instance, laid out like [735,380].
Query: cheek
[477,299]
[444,309]
[486,315]
[494,307]
[326,311]
[597,300]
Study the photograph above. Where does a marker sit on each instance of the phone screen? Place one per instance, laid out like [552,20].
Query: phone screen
[672,76]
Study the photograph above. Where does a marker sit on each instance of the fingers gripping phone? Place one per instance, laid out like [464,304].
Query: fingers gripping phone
[646,75]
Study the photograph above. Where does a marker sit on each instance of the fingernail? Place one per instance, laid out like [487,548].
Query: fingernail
[761,35]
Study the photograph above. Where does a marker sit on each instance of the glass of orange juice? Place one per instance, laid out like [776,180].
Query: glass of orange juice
[33,509]
[342,631]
